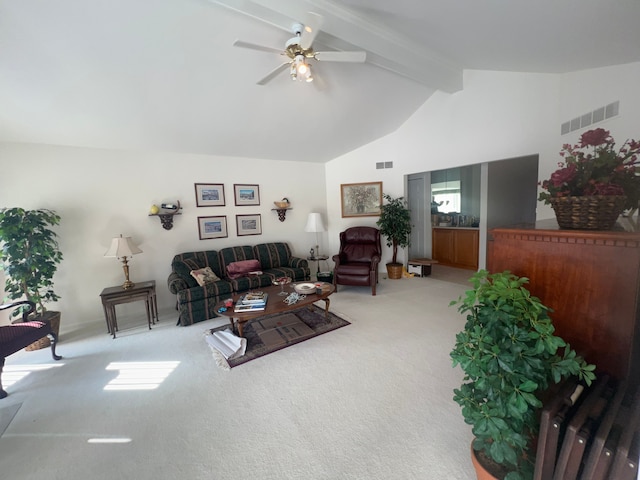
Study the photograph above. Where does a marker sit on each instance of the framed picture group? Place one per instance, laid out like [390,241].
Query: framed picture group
[209,195]
[212,227]
[213,195]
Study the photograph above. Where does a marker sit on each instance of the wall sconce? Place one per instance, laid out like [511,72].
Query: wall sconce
[166,213]
[282,207]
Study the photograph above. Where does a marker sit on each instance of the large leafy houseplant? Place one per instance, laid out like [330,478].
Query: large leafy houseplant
[509,355]
[30,255]
[395,224]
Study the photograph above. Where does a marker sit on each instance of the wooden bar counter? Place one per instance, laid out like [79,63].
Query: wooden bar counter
[591,280]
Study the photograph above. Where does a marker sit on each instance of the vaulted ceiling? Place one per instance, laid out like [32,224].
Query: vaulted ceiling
[163,75]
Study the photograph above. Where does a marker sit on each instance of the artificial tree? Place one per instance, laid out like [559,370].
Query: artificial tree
[395,225]
[510,356]
[30,255]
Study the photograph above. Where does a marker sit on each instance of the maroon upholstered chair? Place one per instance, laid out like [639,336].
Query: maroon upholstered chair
[357,262]
[21,334]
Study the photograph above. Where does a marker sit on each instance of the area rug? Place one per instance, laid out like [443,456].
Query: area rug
[274,332]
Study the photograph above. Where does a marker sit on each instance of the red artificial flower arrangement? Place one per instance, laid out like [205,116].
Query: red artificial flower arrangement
[594,167]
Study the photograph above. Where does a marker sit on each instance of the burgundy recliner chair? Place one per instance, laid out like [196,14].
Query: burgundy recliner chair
[357,262]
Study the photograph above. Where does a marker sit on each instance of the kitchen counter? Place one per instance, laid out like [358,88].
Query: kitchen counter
[456,246]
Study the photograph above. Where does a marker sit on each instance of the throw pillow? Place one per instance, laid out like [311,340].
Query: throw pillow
[242,268]
[204,276]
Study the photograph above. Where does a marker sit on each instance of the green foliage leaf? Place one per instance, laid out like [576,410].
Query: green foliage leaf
[30,254]
[509,354]
[395,223]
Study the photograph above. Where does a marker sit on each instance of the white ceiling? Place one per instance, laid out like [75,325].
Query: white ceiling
[162,75]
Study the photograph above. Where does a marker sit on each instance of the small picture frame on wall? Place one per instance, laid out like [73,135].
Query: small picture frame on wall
[212,227]
[249,224]
[209,194]
[246,194]
[361,199]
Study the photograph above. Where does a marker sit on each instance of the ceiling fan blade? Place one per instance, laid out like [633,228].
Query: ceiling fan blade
[274,73]
[357,57]
[253,46]
[312,26]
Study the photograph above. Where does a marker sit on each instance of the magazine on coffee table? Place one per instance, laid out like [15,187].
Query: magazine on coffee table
[251,304]
[254,298]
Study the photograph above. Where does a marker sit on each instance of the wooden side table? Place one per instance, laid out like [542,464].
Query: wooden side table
[421,266]
[142,291]
[318,259]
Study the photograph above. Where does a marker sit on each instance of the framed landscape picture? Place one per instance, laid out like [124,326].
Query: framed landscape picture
[212,227]
[246,194]
[361,199]
[209,195]
[249,225]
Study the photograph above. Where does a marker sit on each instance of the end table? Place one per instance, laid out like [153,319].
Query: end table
[112,296]
[318,259]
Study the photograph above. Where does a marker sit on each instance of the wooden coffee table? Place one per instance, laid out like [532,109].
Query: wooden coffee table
[275,304]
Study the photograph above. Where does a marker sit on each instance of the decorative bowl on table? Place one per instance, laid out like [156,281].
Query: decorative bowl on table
[281,204]
[282,281]
[305,288]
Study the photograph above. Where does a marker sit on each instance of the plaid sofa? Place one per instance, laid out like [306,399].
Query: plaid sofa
[196,303]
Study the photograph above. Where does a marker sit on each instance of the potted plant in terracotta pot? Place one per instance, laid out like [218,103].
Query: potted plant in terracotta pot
[595,183]
[510,356]
[395,225]
[30,256]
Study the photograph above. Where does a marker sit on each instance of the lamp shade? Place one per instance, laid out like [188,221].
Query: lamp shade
[122,247]
[314,223]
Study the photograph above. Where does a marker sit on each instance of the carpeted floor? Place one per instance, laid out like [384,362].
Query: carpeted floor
[6,415]
[371,401]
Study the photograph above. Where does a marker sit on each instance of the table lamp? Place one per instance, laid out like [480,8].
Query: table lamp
[123,248]
[315,225]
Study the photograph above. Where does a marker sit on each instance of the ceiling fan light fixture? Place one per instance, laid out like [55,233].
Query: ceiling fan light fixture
[300,48]
[307,76]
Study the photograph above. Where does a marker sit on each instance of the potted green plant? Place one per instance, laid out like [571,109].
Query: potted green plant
[395,225]
[30,256]
[509,355]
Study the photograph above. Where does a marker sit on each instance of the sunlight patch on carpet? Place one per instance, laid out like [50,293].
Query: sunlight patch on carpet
[14,373]
[139,375]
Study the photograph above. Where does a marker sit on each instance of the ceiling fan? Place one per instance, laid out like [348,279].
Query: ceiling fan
[299,50]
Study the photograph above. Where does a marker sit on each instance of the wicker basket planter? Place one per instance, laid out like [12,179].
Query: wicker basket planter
[44,342]
[596,212]
[394,270]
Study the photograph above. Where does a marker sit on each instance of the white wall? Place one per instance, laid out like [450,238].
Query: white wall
[498,115]
[102,193]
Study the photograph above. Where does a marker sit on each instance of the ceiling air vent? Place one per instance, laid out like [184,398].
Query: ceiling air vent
[381,165]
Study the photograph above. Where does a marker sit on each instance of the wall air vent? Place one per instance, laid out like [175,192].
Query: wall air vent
[588,119]
[381,165]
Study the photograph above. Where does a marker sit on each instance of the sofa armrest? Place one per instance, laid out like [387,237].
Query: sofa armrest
[176,283]
[297,262]
[375,260]
[336,259]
